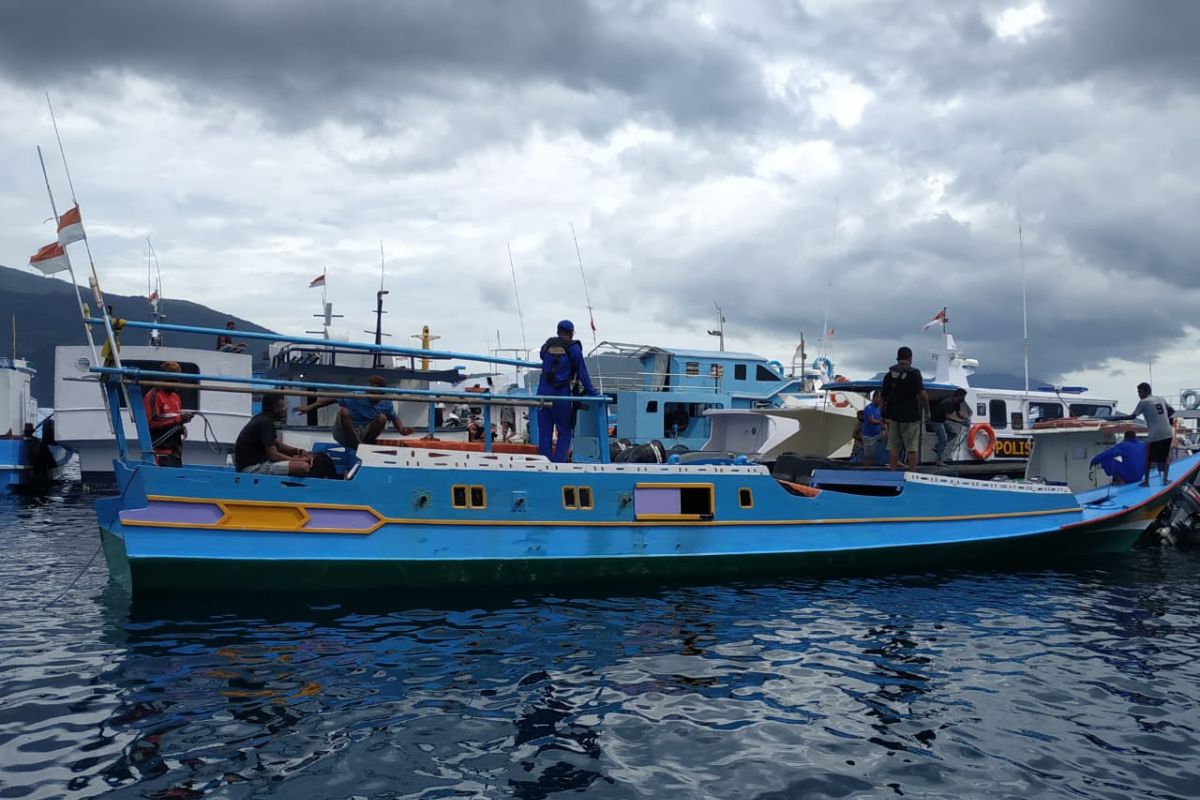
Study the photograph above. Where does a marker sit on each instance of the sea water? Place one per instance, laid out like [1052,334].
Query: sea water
[1075,683]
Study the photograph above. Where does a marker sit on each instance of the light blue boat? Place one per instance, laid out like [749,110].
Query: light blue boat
[407,517]
[664,393]
[28,454]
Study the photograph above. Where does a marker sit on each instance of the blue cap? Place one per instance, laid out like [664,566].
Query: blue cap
[566,325]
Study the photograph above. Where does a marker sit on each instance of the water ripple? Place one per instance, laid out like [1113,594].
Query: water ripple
[1041,683]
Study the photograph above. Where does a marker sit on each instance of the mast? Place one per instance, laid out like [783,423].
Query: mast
[586,294]
[1024,309]
[517,293]
[377,361]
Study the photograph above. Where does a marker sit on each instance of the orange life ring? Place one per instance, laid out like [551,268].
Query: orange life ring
[973,445]
[838,399]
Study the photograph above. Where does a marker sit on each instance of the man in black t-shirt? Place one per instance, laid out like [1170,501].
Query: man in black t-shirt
[258,448]
[904,398]
[947,419]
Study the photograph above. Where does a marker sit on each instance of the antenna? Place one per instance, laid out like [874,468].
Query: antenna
[837,208]
[1024,309]
[586,294]
[517,294]
[377,359]
[720,331]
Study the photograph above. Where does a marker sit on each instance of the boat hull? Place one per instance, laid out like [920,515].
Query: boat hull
[174,575]
[213,530]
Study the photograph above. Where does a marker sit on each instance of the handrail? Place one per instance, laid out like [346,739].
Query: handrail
[368,348]
[160,377]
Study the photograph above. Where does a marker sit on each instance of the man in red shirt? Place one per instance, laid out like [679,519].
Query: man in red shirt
[164,412]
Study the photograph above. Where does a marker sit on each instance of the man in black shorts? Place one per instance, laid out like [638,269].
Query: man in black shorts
[904,398]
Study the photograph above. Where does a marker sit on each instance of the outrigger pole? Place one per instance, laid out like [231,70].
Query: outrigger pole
[586,294]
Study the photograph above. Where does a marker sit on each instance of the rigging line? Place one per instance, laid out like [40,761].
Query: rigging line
[517,293]
[587,296]
[71,585]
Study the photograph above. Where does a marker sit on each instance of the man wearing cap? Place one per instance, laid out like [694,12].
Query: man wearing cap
[562,370]
[166,417]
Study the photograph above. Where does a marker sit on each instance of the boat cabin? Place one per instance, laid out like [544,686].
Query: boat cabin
[666,394]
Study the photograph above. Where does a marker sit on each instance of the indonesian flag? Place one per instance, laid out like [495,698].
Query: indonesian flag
[592,320]
[70,227]
[831,331]
[50,259]
[938,319]
[317,281]
[153,296]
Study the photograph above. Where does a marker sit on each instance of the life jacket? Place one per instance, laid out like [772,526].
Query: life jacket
[164,415]
[558,370]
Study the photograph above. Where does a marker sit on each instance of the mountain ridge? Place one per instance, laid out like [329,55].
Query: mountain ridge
[45,310]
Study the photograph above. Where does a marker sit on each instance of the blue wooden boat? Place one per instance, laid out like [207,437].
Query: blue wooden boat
[429,517]
[28,452]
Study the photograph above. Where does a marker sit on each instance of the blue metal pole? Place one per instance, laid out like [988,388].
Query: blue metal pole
[145,439]
[487,427]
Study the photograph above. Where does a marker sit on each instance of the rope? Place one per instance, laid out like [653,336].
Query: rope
[71,585]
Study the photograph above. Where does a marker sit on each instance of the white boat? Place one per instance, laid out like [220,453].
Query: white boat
[82,423]
[821,426]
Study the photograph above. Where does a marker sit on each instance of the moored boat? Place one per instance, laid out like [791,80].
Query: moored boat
[409,517]
[28,451]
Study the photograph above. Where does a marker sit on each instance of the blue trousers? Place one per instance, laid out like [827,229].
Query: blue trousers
[555,418]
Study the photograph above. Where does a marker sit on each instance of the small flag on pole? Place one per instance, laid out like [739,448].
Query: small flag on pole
[70,227]
[831,333]
[50,259]
[938,319]
[317,281]
[592,320]
[153,296]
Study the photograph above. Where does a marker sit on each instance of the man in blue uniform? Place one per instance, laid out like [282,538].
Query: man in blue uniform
[1124,462]
[562,370]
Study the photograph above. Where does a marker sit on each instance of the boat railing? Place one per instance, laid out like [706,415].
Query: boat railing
[133,379]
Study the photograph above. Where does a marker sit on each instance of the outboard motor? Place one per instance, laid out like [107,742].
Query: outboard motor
[1178,524]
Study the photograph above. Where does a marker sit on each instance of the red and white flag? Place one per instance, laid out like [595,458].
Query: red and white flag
[50,259]
[70,227]
[938,319]
[317,281]
[831,332]
[153,296]
[592,320]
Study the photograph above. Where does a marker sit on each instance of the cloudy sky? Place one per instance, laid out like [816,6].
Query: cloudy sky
[865,162]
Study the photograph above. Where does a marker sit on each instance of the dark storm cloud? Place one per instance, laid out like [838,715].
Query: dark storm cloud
[305,61]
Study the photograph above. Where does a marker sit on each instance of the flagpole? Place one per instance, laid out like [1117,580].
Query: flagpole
[1024,309]
[87,329]
[97,293]
[83,314]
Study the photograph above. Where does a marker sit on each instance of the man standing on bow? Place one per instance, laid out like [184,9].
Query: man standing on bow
[1158,415]
[904,398]
[563,370]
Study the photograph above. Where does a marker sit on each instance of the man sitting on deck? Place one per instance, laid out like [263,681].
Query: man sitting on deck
[258,448]
[1124,462]
[359,420]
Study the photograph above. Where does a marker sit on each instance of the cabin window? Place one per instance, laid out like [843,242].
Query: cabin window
[764,374]
[692,368]
[189,398]
[1090,410]
[998,413]
[578,498]
[652,407]
[1018,421]
[673,501]
[745,498]
[473,497]
[981,409]
[739,372]
[1044,411]
[675,419]
[717,370]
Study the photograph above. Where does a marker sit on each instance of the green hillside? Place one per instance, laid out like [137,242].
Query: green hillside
[45,310]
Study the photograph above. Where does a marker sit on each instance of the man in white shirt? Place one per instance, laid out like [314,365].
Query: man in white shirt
[1158,415]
